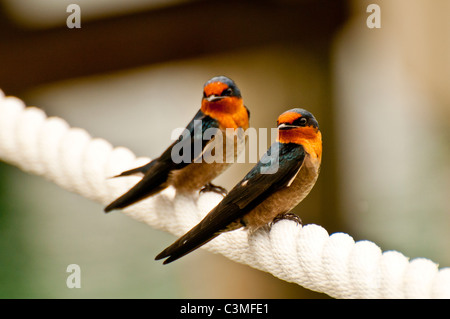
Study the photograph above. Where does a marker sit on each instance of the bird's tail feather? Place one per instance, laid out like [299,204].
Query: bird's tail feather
[141,169]
[150,184]
[192,240]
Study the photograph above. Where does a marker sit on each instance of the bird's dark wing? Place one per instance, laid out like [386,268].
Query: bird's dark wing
[274,171]
[190,144]
[157,171]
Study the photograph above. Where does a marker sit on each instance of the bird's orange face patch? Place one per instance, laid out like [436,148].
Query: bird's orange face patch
[296,134]
[229,111]
[309,137]
[215,88]
[288,117]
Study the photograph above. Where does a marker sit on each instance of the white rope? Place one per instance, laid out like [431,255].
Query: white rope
[307,255]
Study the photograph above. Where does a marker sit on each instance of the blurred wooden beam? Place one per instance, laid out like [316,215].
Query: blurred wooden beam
[33,57]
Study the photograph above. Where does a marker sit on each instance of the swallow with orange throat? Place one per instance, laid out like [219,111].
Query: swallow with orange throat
[198,155]
[282,178]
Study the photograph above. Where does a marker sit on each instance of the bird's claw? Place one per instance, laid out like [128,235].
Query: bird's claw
[214,188]
[288,216]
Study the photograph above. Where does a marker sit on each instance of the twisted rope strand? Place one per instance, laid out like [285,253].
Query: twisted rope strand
[305,255]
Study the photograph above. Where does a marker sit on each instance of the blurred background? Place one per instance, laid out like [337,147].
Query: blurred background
[134,71]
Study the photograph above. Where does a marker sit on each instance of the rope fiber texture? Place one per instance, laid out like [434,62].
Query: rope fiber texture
[306,255]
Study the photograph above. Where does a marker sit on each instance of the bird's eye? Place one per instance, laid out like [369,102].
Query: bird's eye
[301,121]
[227,92]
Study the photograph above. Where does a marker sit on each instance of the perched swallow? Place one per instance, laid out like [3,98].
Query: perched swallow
[222,107]
[276,184]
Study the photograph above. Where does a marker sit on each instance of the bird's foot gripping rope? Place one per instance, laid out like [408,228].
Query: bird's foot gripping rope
[306,255]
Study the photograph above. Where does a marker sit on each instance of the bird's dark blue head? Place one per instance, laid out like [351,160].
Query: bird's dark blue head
[220,87]
[296,118]
[223,102]
[299,126]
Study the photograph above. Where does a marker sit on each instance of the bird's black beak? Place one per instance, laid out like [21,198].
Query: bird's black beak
[284,126]
[213,98]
